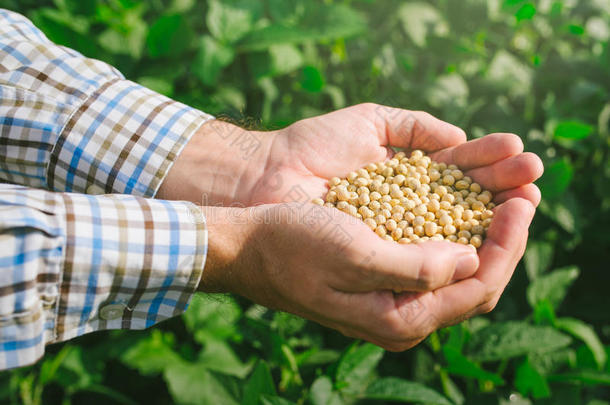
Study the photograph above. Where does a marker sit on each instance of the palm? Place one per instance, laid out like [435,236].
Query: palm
[306,154]
[309,152]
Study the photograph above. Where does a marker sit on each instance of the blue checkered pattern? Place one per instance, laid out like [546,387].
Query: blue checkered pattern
[72,126]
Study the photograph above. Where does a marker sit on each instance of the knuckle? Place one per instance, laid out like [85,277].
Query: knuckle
[423,115]
[347,332]
[489,306]
[491,294]
[429,278]
[367,106]
[400,346]
[395,347]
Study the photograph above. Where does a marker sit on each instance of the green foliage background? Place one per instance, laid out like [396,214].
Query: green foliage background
[540,69]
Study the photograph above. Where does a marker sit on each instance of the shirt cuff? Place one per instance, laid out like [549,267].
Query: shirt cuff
[122,139]
[79,264]
[129,262]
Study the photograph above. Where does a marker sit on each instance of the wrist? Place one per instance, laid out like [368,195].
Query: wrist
[233,253]
[221,165]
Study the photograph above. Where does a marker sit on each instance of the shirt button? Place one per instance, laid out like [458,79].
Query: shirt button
[112,311]
[94,190]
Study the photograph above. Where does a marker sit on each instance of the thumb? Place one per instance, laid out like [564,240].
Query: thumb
[417,267]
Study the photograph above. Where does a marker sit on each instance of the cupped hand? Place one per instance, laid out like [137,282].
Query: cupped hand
[313,150]
[407,318]
[323,264]
[309,152]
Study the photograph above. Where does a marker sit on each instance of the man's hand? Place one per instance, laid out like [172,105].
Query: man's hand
[499,255]
[226,165]
[313,150]
[298,259]
[325,265]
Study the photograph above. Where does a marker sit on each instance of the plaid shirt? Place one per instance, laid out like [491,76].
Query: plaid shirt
[72,260]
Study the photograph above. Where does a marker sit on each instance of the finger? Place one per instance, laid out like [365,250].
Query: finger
[421,267]
[415,130]
[374,317]
[509,173]
[499,256]
[528,192]
[481,152]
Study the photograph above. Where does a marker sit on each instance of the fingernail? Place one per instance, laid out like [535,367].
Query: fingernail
[466,266]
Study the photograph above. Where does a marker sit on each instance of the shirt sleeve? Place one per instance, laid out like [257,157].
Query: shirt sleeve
[73,124]
[71,264]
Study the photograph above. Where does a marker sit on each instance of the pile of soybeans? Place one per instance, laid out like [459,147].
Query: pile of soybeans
[414,199]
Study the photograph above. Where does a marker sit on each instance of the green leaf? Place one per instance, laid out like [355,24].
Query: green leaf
[337,96]
[212,317]
[423,366]
[180,6]
[552,287]
[544,313]
[592,377]
[218,356]
[285,58]
[450,389]
[458,364]
[585,358]
[322,393]
[289,11]
[598,402]
[556,179]
[230,98]
[538,258]
[316,357]
[529,381]
[510,74]
[565,212]
[421,20]
[116,396]
[458,334]
[160,85]
[396,389]
[121,43]
[448,90]
[169,36]
[322,22]
[259,383]
[526,12]
[357,366]
[275,400]
[312,79]
[550,362]
[194,384]
[576,29]
[153,354]
[573,130]
[586,333]
[504,340]
[76,372]
[211,59]
[51,364]
[65,29]
[230,20]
